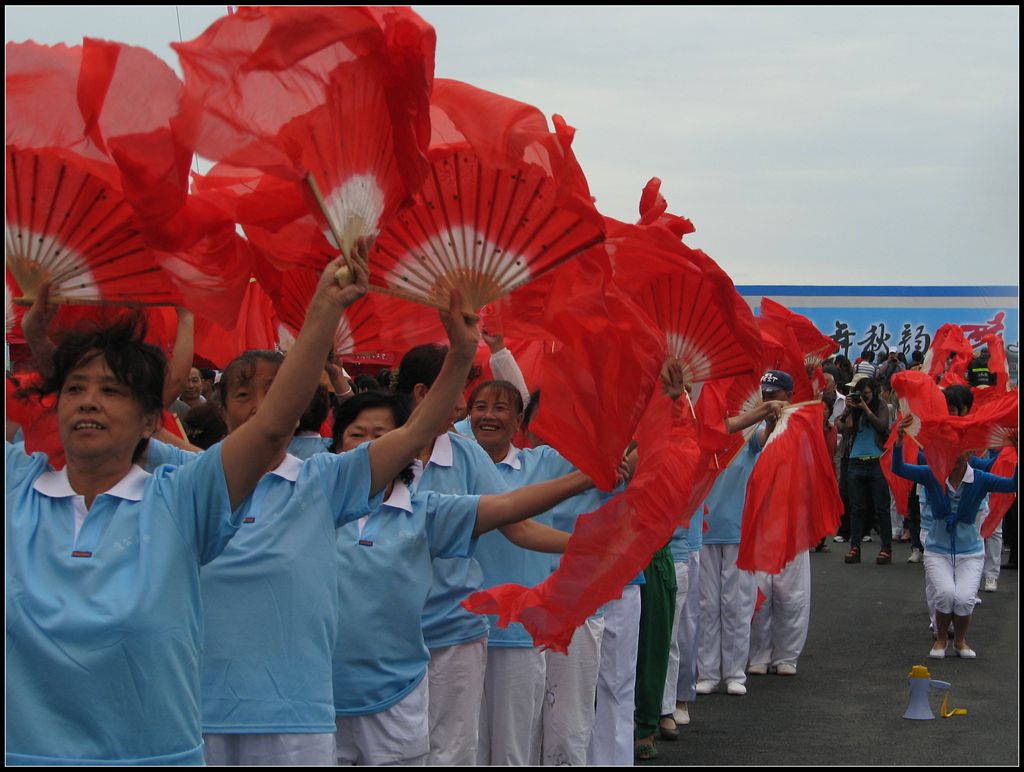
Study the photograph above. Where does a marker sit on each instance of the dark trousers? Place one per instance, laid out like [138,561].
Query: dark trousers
[657,609]
[869,498]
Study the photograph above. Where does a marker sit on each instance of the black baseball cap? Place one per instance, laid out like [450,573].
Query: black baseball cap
[776,380]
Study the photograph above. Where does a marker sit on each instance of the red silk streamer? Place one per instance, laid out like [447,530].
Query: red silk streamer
[611,545]
[949,341]
[992,423]
[792,497]
[999,503]
[596,386]
[793,344]
[761,598]
[997,362]
[900,486]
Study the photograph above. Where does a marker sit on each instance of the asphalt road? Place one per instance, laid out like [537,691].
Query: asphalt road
[868,628]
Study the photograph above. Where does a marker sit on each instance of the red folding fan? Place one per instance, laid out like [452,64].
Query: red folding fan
[372,324]
[710,334]
[792,499]
[335,98]
[482,229]
[96,175]
[815,345]
[1000,503]
[72,229]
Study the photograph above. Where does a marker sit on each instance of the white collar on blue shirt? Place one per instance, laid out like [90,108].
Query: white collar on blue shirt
[512,458]
[400,497]
[442,452]
[289,468]
[130,487]
[968,478]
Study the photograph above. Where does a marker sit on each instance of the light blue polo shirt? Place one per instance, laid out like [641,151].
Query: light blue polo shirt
[309,444]
[502,561]
[384,571]
[457,466]
[271,599]
[725,502]
[103,628]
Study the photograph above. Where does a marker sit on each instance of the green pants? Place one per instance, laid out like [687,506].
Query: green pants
[657,609]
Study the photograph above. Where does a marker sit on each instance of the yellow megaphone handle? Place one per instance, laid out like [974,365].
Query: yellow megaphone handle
[944,708]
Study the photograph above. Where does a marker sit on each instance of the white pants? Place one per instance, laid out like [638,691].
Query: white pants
[668,699]
[261,750]
[727,598]
[994,554]
[611,741]
[779,629]
[456,690]
[954,588]
[689,634]
[570,693]
[510,713]
[397,736]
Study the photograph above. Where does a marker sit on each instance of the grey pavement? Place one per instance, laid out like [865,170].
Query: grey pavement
[868,627]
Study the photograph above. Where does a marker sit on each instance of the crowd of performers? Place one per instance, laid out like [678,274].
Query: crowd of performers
[299,597]
[449,570]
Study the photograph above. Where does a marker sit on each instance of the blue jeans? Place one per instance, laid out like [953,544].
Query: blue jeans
[869,493]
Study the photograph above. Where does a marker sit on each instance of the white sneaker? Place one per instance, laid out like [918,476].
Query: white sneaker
[757,670]
[915,556]
[977,601]
[706,687]
[990,585]
[784,668]
[682,714]
[966,652]
[838,539]
[866,538]
[937,652]
[735,688]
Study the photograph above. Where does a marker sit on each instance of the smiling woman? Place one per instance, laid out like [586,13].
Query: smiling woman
[103,592]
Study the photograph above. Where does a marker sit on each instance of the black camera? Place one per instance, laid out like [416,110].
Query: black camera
[854,396]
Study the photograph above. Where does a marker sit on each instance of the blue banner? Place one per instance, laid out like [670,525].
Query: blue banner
[880,319]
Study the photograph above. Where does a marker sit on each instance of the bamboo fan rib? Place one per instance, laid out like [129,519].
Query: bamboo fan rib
[485,231]
[70,228]
[348,146]
[357,329]
[687,307]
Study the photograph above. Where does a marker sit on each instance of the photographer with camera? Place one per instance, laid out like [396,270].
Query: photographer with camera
[887,368]
[866,419]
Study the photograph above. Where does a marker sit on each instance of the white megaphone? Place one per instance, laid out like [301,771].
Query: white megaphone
[921,684]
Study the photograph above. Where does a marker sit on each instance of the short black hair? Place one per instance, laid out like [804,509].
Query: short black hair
[349,411]
[366,383]
[421,364]
[505,388]
[316,411]
[867,356]
[204,424]
[959,397]
[917,355]
[140,366]
[243,367]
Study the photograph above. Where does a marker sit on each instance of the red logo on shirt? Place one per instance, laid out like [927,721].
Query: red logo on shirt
[365,543]
[249,520]
[81,554]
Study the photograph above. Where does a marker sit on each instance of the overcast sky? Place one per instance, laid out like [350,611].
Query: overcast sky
[856,145]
